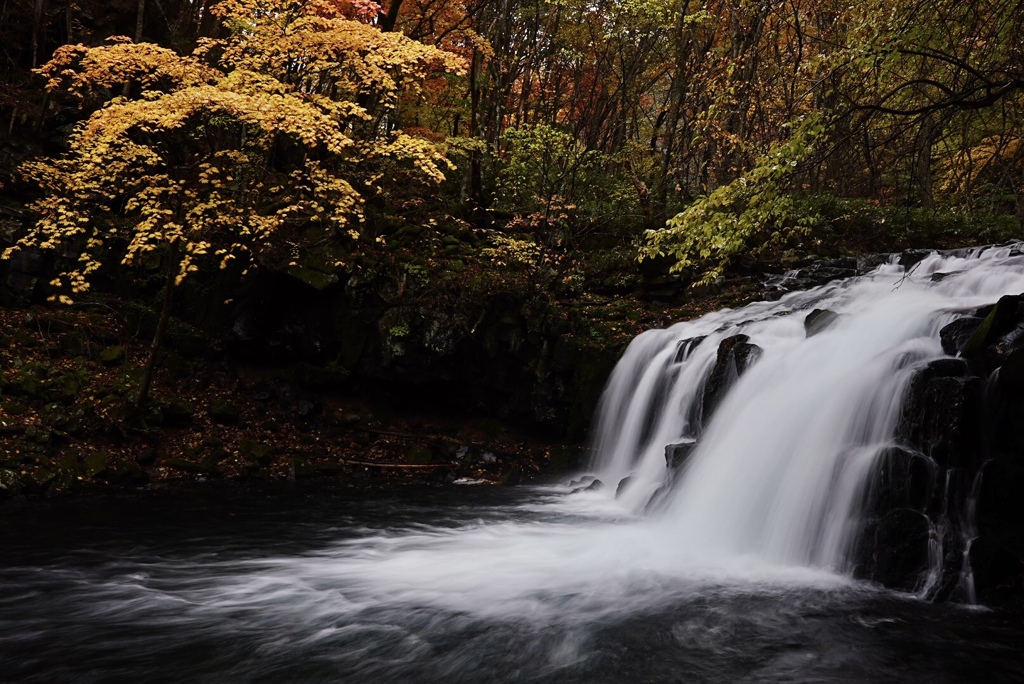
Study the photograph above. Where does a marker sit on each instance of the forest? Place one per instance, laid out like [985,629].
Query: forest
[397,195]
[700,131]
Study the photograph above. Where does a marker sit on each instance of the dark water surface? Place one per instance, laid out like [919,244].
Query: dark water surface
[286,584]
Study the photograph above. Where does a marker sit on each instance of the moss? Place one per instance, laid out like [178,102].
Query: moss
[316,279]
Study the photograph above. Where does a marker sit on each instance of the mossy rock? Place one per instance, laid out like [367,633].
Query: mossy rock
[10,483]
[996,323]
[57,415]
[112,356]
[178,412]
[419,454]
[224,412]
[262,454]
[13,407]
[28,380]
[128,474]
[318,280]
[65,388]
[190,466]
[96,464]
[42,478]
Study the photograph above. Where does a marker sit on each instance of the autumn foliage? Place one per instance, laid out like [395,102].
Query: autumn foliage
[255,148]
[242,150]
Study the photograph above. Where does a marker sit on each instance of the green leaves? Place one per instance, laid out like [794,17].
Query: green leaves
[754,213]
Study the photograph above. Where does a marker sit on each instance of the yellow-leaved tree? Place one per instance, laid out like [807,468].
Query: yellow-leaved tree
[252,148]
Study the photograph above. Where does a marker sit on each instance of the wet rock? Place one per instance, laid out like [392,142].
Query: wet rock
[941,417]
[677,454]
[998,572]
[684,348]
[1002,319]
[623,484]
[513,477]
[818,320]
[901,479]
[900,549]
[999,505]
[955,335]
[594,486]
[735,355]
[911,257]
[1006,405]
[818,273]
[947,368]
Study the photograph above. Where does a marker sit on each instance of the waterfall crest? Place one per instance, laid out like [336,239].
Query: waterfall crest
[778,430]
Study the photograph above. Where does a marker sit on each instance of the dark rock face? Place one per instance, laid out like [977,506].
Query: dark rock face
[955,335]
[900,555]
[818,273]
[902,479]
[951,489]
[685,347]
[735,355]
[941,417]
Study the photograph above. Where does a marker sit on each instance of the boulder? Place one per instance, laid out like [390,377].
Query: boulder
[818,320]
[677,454]
[623,484]
[594,486]
[955,335]
[735,355]
[982,349]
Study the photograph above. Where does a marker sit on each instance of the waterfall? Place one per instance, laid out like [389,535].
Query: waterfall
[801,412]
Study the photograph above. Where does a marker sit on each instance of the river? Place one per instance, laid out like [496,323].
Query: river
[303,583]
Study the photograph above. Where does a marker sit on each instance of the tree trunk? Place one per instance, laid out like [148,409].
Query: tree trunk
[140,20]
[161,325]
[388,20]
[923,172]
[37,29]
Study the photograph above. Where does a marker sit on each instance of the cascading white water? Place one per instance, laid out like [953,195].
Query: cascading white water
[780,469]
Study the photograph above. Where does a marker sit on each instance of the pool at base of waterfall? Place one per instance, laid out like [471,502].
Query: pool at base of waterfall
[285,583]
